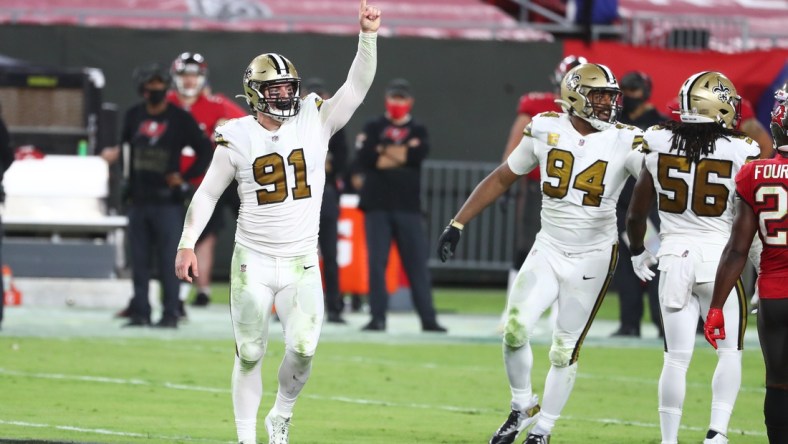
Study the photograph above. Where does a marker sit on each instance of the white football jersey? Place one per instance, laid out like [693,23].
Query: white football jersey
[696,199]
[581,177]
[281,176]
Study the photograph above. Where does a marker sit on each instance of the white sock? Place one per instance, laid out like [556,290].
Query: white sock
[557,387]
[518,363]
[247,390]
[184,290]
[544,426]
[724,388]
[672,389]
[206,290]
[293,374]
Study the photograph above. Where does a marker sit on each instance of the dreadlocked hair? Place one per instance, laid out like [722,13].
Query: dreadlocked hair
[694,140]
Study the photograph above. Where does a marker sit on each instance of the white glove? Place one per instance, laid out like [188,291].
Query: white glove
[642,263]
[756,297]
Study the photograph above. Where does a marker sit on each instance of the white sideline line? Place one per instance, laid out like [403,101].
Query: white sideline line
[361,401]
[105,431]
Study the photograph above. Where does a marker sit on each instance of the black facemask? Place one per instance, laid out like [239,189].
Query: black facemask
[631,103]
[156,96]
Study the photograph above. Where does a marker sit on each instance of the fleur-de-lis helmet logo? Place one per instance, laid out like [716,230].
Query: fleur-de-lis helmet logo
[248,73]
[723,92]
[573,81]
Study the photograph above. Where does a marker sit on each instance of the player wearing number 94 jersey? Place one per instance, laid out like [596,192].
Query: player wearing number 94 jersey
[277,156]
[584,158]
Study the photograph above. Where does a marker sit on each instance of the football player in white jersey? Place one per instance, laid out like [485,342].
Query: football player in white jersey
[584,158]
[278,158]
[690,168]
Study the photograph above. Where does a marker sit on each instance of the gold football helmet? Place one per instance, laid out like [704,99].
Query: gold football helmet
[587,80]
[269,70]
[709,97]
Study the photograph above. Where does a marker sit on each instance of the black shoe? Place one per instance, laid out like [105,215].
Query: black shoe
[375,325]
[626,332]
[435,328]
[537,439]
[335,318]
[202,300]
[167,322]
[137,321]
[515,423]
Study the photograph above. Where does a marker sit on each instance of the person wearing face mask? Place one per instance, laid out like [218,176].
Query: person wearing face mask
[391,149]
[155,132]
[639,112]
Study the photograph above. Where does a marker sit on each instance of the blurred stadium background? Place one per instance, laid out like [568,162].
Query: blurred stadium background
[69,374]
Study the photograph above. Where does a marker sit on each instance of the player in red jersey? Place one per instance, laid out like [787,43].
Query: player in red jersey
[191,92]
[763,188]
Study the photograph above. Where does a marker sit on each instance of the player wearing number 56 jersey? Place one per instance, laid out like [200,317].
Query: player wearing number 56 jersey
[690,168]
[584,158]
[763,187]
[277,156]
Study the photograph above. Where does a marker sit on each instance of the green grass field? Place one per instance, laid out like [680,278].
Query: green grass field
[165,388]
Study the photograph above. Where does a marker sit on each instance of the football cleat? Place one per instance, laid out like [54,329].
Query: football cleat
[537,439]
[516,422]
[278,428]
[714,437]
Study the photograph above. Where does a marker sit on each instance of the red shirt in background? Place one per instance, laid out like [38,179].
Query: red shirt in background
[763,184]
[208,111]
[532,104]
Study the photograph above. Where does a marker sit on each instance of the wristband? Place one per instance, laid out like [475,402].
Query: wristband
[456,224]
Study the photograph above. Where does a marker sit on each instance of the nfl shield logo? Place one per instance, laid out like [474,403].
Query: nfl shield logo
[582,142]
[243,268]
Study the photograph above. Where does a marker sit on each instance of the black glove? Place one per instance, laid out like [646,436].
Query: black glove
[448,241]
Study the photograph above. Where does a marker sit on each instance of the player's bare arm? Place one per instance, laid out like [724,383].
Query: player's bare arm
[732,262]
[734,256]
[488,190]
[638,211]
[369,17]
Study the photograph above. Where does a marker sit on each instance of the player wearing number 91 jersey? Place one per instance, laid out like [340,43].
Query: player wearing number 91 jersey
[277,156]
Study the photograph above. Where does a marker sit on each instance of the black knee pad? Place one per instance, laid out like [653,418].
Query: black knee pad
[775,412]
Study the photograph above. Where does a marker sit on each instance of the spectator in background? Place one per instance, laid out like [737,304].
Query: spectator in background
[637,111]
[190,78]
[391,149]
[6,158]
[336,161]
[528,205]
[156,133]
